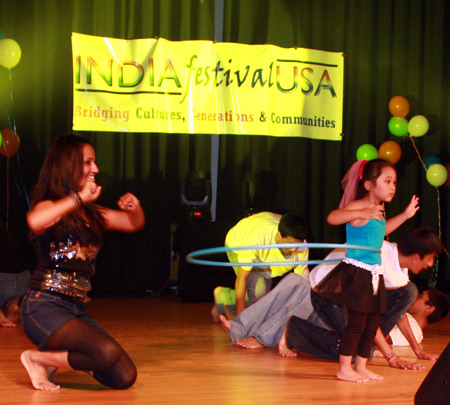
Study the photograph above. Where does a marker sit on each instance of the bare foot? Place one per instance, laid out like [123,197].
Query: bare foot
[250,343]
[225,323]
[348,374]
[6,323]
[12,311]
[369,374]
[37,372]
[283,350]
[215,313]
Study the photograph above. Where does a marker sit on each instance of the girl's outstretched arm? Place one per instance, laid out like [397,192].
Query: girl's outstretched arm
[393,223]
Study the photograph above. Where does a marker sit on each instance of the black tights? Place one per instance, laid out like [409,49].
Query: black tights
[91,349]
[357,337]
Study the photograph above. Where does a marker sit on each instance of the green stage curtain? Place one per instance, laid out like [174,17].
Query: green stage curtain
[390,47]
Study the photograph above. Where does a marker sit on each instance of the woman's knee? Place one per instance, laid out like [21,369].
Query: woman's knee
[121,376]
[108,355]
[128,379]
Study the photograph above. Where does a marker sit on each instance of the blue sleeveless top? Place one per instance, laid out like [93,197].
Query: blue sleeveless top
[370,234]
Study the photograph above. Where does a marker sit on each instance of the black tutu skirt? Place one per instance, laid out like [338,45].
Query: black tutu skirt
[351,287]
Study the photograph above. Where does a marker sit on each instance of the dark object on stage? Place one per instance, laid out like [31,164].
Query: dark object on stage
[196,196]
[196,283]
[435,389]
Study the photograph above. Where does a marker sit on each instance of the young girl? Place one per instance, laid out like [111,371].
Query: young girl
[68,231]
[357,282]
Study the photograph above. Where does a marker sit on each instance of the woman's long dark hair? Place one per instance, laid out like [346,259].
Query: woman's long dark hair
[60,174]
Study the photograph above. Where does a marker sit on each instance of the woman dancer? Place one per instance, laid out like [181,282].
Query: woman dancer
[357,282]
[68,230]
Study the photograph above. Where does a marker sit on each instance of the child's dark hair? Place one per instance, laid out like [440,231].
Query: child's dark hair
[421,240]
[293,226]
[441,304]
[371,171]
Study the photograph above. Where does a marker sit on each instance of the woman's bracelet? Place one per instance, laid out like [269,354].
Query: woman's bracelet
[76,198]
[390,356]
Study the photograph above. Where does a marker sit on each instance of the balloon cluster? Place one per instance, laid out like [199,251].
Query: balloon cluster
[389,151]
[436,173]
[399,125]
[10,52]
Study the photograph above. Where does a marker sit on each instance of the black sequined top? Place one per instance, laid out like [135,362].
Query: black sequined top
[61,251]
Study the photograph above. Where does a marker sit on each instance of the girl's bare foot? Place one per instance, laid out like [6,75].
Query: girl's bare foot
[225,323]
[348,374]
[250,343]
[283,350]
[37,372]
[367,373]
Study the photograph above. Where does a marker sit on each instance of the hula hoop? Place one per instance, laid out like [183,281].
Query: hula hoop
[193,256]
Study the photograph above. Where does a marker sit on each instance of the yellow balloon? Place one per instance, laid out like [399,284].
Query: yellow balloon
[418,125]
[10,53]
[437,175]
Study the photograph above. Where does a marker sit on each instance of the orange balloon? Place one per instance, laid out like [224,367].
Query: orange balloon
[11,142]
[399,106]
[390,151]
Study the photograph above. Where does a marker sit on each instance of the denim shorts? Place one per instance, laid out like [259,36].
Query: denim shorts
[13,286]
[44,312]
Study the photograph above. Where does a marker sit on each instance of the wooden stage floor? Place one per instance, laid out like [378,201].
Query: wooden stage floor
[182,356]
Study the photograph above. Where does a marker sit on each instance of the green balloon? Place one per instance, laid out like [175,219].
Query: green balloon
[366,152]
[437,175]
[398,126]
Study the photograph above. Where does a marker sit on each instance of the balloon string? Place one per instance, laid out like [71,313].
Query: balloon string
[439,221]
[8,115]
[434,274]
[435,271]
[12,101]
[9,121]
[417,151]
[7,192]
[14,128]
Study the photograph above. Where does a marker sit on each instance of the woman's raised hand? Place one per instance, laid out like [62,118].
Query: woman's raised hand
[90,192]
